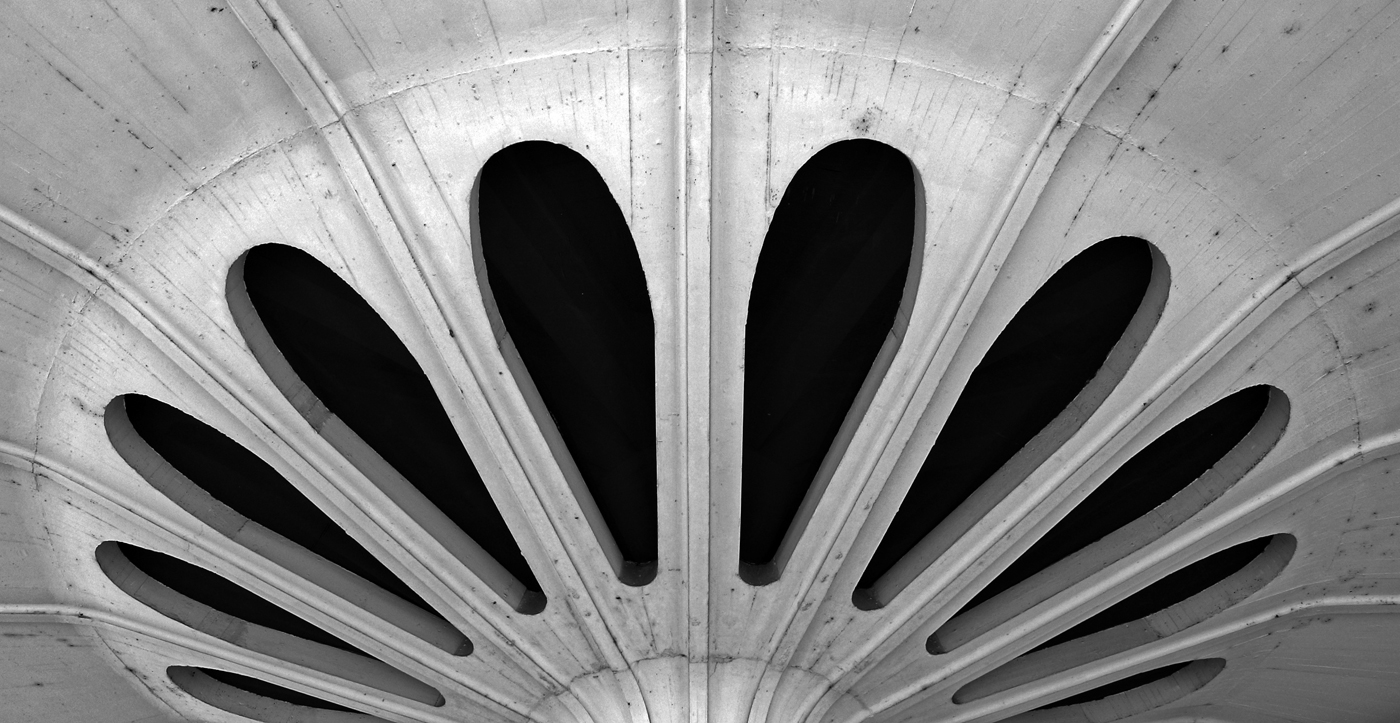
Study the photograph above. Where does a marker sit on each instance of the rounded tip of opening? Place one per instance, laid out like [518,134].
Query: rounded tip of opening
[759,575]
[934,646]
[1285,542]
[464,649]
[531,603]
[864,598]
[637,574]
[116,404]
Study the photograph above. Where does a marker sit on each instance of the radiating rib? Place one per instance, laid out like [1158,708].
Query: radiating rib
[559,272]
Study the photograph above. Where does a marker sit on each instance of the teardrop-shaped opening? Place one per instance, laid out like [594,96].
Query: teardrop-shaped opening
[357,384]
[1173,478]
[260,700]
[836,263]
[1178,601]
[1129,696]
[214,605]
[560,274]
[1047,372]
[234,491]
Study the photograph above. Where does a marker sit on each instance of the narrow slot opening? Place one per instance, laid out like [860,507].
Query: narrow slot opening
[235,492]
[1167,482]
[275,692]
[1170,590]
[260,700]
[214,591]
[1129,696]
[1119,686]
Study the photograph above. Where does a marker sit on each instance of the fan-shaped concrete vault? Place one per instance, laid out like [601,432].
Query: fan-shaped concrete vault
[329,391]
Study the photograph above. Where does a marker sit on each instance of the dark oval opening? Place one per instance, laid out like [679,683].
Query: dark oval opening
[1119,686]
[558,266]
[1165,467]
[357,367]
[210,588]
[252,488]
[834,267]
[1095,308]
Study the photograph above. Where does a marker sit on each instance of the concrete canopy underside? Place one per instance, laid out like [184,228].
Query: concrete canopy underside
[1255,143]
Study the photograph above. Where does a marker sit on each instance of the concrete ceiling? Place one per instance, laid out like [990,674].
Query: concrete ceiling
[1255,143]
